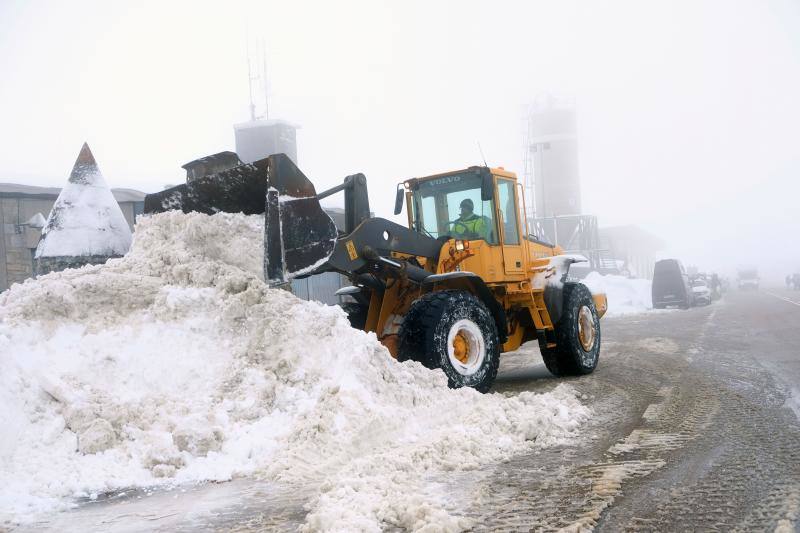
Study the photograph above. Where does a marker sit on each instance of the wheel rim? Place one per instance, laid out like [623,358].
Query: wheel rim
[587,331]
[466,348]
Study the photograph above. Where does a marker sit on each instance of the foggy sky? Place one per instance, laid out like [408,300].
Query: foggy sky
[688,111]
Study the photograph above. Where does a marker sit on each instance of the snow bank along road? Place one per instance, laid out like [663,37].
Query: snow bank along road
[692,429]
[176,365]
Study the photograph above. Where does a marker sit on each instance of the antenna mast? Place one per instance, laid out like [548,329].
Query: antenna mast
[250,78]
[257,77]
[265,76]
[482,156]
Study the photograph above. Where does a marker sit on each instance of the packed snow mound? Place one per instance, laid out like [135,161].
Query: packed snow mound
[86,219]
[625,295]
[176,363]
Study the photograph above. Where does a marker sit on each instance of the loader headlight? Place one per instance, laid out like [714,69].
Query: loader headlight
[462,245]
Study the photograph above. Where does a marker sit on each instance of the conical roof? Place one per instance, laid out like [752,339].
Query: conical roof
[86,219]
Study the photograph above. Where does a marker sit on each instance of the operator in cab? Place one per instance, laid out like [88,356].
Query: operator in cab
[470,226]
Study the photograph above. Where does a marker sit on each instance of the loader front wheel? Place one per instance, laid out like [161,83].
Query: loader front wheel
[453,331]
[577,335]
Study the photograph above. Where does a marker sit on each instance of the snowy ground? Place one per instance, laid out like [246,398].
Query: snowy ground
[689,431]
[176,365]
[625,295]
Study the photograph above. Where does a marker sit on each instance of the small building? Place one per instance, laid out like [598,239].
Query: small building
[260,138]
[19,205]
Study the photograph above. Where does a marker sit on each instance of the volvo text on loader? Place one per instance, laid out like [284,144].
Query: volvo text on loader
[463,283]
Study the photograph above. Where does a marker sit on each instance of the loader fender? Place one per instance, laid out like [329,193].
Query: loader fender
[554,299]
[473,283]
[556,281]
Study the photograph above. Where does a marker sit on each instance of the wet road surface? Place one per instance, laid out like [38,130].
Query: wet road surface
[695,428]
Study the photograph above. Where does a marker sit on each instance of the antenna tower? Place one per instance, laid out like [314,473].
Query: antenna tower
[257,78]
[528,177]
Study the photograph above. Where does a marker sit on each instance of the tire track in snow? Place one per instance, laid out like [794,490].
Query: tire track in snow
[563,491]
[666,426]
[743,471]
[685,409]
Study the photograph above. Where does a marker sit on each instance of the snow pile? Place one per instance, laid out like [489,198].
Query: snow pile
[625,295]
[177,364]
[86,219]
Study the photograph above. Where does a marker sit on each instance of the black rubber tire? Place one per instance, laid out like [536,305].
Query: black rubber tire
[356,314]
[423,336]
[569,358]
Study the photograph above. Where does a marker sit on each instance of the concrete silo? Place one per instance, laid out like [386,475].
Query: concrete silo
[552,158]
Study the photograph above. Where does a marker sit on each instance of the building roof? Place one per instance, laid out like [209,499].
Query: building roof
[260,123]
[86,219]
[20,190]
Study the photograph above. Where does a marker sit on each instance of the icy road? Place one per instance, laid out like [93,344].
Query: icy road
[694,428]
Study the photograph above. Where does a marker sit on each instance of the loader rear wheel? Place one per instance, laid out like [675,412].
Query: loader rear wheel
[577,335]
[453,331]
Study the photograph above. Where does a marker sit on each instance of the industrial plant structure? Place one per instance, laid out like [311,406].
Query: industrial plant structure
[553,196]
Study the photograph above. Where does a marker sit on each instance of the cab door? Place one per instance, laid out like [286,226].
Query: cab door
[508,223]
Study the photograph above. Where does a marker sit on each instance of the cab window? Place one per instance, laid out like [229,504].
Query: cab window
[451,206]
[507,207]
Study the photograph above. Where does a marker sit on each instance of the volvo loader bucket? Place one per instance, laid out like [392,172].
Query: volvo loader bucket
[299,236]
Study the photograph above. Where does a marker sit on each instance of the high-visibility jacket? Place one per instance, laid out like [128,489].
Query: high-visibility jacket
[473,226]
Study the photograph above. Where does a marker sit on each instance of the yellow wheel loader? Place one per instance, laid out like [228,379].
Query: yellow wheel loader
[463,283]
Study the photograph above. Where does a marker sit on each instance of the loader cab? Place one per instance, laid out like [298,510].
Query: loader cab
[475,204]
[467,204]
[458,205]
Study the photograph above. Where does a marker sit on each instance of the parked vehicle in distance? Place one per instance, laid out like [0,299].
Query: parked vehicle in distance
[747,279]
[671,285]
[701,294]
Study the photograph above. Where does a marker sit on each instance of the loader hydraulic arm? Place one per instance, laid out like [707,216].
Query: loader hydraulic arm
[356,200]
